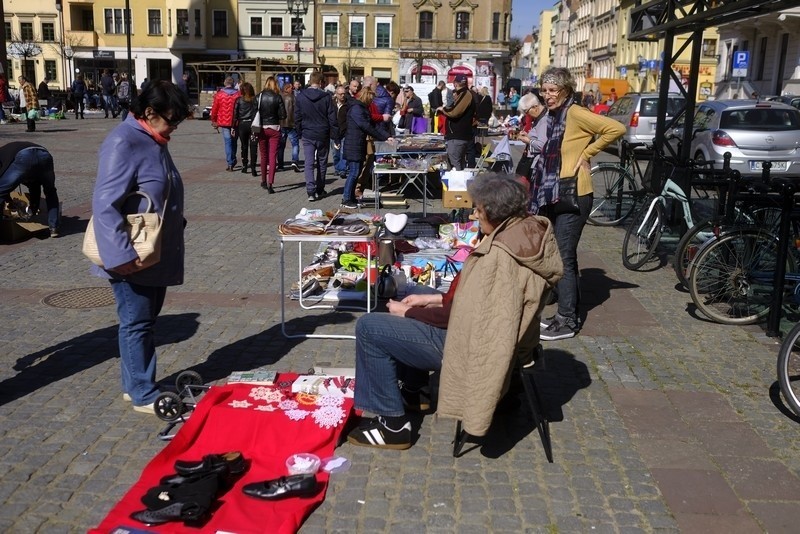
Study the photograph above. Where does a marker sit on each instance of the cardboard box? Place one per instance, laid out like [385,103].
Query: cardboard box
[12,231]
[456,199]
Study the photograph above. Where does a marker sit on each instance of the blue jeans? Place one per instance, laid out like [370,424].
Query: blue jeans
[316,156]
[291,133]
[33,166]
[230,145]
[568,228]
[110,104]
[353,170]
[388,349]
[340,165]
[137,308]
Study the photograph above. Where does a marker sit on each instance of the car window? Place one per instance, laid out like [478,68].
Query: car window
[703,118]
[773,120]
[621,106]
[648,107]
[674,106]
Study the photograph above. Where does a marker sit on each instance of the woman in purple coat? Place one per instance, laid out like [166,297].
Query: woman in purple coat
[134,157]
[359,127]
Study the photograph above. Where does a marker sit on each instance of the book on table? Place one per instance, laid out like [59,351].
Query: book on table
[261,377]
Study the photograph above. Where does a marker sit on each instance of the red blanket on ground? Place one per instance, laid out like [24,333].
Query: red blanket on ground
[267,424]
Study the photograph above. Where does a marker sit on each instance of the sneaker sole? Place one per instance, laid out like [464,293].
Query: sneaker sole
[147,408]
[394,447]
[546,337]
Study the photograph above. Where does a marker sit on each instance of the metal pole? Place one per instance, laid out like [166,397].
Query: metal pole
[131,79]
[61,41]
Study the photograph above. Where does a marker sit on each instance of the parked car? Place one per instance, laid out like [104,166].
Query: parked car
[752,131]
[792,100]
[638,112]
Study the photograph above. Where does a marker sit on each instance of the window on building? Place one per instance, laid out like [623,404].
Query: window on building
[26,31]
[331,33]
[383,35]
[762,59]
[198,23]
[331,1]
[462,25]
[48,32]
[50,71]
[256,26]
[114,21]
[154,22]
[426,25]
[220,28]
[8,31]
[357,34]
[384,1]
[356,72]
[356,1]
[182,19]
[709,47]
[496,26]
[276,26]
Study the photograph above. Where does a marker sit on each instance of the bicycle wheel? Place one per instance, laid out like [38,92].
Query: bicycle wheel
[688,247]
[789,369]
[614,195]
[731,278]
[643,235]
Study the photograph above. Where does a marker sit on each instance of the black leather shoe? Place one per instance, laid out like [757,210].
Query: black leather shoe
[232,462]
[270,190]
[280,488]
[190,513]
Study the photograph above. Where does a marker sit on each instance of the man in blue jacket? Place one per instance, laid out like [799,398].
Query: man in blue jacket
[316,124]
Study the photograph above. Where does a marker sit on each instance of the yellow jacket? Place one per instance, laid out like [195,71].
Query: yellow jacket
[586,135]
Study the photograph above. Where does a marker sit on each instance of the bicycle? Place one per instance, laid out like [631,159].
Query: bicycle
[615,191]
[789,368]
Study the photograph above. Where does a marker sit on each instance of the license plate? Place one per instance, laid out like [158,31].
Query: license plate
[776,166]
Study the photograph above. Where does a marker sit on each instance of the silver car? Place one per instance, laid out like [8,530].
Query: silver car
[638,113]
[752,131]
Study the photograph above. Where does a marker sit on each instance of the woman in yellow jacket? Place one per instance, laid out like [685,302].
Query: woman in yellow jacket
[574,136]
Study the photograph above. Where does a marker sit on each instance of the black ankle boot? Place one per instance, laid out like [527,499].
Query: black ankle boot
[244,166]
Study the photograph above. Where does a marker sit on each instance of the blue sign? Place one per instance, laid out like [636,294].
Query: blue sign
[652,64]
[623,70]
[740,62]
[741,59]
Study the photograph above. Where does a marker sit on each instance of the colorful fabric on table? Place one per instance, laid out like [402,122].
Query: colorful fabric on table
[267,424]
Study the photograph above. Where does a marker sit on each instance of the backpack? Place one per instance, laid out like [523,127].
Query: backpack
[124,91]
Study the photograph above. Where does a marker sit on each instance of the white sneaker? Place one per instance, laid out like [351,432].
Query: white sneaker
[147,408]
[3,122]
[126,397]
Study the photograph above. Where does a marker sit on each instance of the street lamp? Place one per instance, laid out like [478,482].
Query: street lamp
[69,53]
[297,8]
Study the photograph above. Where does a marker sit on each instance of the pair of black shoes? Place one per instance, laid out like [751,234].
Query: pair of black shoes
[188,494]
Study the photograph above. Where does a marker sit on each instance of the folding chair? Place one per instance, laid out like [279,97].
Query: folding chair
[534,404]
[484,158]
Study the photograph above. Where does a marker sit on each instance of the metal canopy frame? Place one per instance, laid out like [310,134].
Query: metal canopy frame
[664,19]
[250,65]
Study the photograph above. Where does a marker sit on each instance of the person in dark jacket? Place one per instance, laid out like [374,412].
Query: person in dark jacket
[435,102]
[484,108]
[135,157]
[272,111]
[243,112]
[31,165]
[412,109]
[315,121]
[44,92]
[459,123]
[359,126]
[341,101]
[384,102]
[78,89]
[288,130]
[109,90]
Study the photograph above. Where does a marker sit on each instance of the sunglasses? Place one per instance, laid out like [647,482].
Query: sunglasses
[170,122]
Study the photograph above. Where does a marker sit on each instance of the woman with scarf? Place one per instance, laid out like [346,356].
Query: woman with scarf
[574,136]
[134,157]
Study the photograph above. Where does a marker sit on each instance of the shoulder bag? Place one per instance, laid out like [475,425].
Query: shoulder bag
[567,196]
[143,229]
[255,128]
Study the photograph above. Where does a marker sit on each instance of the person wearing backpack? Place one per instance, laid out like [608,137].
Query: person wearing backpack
[124,95]
[78,93]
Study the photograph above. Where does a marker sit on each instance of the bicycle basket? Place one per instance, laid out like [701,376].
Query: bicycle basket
[656,174]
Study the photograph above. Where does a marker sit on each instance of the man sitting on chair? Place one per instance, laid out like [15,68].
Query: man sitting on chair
[475,333]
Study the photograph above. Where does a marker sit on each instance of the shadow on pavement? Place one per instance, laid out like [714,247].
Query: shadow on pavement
[596,287]
[265,348]
[558,381]
[67,358]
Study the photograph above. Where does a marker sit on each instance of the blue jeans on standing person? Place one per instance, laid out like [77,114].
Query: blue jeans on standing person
[340,165]
[568,228]
[391,348]
[137,308]
[110,104]
[230,145]
[316,158]
[33,166]
[291,133]
[353,170]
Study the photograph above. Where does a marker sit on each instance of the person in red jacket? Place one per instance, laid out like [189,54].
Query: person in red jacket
[222,117]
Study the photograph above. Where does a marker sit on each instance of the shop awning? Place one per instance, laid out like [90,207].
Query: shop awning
[461,69]
[427,70]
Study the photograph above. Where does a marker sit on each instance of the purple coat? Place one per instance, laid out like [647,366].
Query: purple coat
[129,160]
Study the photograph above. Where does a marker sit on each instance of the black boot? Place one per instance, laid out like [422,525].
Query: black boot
[31,125]
[244,166]
[255,171]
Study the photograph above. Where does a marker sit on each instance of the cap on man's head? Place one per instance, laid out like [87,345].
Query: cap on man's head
[408,88]
[460,78]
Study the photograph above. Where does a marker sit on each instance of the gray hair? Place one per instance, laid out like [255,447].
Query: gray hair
[369,81]
[559,76]
[228,82]
[527,101]
[499,195]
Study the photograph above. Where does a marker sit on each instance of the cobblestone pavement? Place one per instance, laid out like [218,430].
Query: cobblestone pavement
[662,421]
